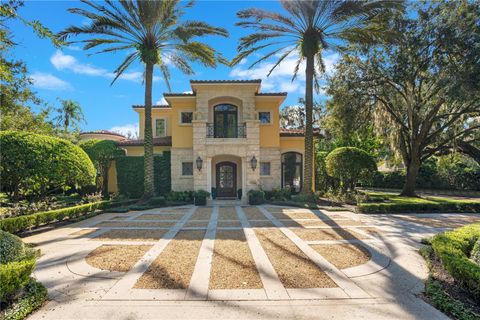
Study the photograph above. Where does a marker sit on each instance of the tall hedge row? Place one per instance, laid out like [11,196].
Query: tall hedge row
[130,175]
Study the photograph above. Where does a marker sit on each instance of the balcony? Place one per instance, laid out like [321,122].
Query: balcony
[230,131]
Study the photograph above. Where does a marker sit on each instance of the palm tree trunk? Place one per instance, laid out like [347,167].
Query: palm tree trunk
[148,187]
[308,166]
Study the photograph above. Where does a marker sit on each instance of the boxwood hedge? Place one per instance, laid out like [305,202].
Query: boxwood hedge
[392,207]
[130,175]
[22,223]
[454,249]
[15,275]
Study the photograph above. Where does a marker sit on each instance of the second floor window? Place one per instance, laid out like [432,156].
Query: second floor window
[160,128]
[264,117]
[186,117]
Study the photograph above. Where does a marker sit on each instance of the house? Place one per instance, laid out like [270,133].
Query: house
[225,136]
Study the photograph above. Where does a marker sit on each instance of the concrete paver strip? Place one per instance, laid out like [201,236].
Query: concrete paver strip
[198,288]
[271,282]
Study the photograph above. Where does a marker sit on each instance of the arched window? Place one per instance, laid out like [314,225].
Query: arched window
[292,165]
[225,117]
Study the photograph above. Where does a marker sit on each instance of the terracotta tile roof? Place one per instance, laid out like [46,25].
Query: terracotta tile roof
[296,132]
[163,141]
[226,81]
[154,106]
[271,94]
[179,94]
[103,132]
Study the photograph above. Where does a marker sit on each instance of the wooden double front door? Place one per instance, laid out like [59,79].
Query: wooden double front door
[226,178]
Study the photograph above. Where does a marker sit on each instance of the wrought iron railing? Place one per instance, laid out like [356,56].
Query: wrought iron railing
[235,131]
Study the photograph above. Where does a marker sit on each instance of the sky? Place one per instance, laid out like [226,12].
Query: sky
[72,73]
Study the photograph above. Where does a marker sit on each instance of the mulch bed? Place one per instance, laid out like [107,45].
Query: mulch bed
[222,224]
[131,235]
[293,267]
[202,214]
[294,215]
[199,224]
[327,234]
[253,213]
[343,255]
[133,224]
[233,266]
[173,268]
[166,216]
[116,258]
[227,213]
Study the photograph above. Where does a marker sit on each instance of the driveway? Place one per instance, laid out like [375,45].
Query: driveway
[238,262]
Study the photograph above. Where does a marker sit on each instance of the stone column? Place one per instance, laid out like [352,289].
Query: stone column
[199,150]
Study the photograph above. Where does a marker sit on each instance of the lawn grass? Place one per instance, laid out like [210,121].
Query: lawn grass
[382,202]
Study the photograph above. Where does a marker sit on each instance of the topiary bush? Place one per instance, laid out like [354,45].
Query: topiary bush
[32,164]
[256,197]
[349,165]
[11,247]
[200,197]
[101,152]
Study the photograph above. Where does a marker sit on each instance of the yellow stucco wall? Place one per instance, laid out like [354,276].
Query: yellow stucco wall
[157,113]
[135,151]
[112,178]
[269,133]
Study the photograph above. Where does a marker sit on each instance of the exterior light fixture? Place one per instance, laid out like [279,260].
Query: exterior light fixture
[199,162]
[253,163]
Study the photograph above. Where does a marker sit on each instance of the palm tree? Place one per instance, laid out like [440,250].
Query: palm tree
[70,113]
[150,32]
[308,29]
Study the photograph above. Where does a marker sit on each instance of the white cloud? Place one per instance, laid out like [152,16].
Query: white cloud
[130,130]
[162,101]
[280,79]
[63,61]
[49,82]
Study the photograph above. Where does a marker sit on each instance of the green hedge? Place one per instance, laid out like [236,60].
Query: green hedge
[15,275]
[34,164]
[454,248]
[35,294]
[22,223]
[130,175]
[470,207]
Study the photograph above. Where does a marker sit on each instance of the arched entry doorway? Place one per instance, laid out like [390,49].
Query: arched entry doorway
[292,165]
[226,179]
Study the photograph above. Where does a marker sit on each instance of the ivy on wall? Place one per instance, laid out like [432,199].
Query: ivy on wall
[130,175]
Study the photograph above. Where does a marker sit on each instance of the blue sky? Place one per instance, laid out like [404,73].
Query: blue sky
[70,73]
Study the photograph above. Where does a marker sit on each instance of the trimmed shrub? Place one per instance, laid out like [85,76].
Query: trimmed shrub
[22,223]
[454,248]
[157,201]
[180,196]
[101,152]
[256,197]
[475,256]
[11,247]
[391,207]
[130,175]
[35,294]
[15,275]
[278,194]
[349,165]
[33,164]
[200,197]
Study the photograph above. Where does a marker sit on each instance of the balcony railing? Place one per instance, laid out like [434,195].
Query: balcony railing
[235,131]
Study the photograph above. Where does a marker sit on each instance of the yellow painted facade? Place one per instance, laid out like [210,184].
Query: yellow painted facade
[189,141]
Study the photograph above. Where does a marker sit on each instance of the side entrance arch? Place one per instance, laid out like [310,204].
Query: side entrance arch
[226,179]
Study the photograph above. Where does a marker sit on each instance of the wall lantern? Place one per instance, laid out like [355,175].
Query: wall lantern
[253,163]
[199,162]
